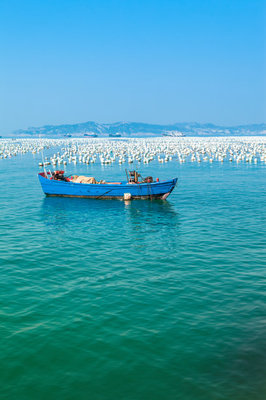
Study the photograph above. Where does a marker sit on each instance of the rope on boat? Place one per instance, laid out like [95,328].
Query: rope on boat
[108,191]
[149,189]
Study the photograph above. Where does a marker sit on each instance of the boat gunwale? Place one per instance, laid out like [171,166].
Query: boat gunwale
[119,185]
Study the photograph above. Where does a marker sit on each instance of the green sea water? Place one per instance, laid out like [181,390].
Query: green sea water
[150,300]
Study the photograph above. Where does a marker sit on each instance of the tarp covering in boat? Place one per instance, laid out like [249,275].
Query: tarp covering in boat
[84,179]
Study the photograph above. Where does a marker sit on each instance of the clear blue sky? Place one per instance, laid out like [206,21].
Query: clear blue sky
[154,61]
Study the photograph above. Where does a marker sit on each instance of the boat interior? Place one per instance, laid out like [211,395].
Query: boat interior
[133,177]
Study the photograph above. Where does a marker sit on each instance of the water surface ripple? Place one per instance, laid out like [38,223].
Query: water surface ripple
[146,300]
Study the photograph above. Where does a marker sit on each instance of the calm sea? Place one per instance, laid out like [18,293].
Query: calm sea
[102,300]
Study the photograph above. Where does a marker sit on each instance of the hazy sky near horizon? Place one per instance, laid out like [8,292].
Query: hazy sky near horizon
[158,61]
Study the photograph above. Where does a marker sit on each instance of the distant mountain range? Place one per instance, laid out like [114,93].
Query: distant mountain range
[134,129]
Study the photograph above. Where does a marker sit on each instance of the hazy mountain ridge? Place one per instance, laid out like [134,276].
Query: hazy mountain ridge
[127,129]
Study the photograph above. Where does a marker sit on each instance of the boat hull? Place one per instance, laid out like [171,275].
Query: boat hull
[107,191]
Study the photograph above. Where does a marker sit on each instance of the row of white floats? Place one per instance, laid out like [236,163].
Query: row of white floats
[109,151]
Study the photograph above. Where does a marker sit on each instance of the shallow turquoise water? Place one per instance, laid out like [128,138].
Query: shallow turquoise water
[147,300]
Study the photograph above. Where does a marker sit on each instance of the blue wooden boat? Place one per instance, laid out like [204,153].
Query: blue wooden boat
[64,187]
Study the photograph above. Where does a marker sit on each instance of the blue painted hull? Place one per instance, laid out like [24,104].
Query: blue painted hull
[107,191]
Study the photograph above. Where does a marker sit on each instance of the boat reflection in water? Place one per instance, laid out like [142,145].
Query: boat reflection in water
[113,232]
[60,212]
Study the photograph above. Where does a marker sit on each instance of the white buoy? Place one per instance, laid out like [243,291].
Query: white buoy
[127,196]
